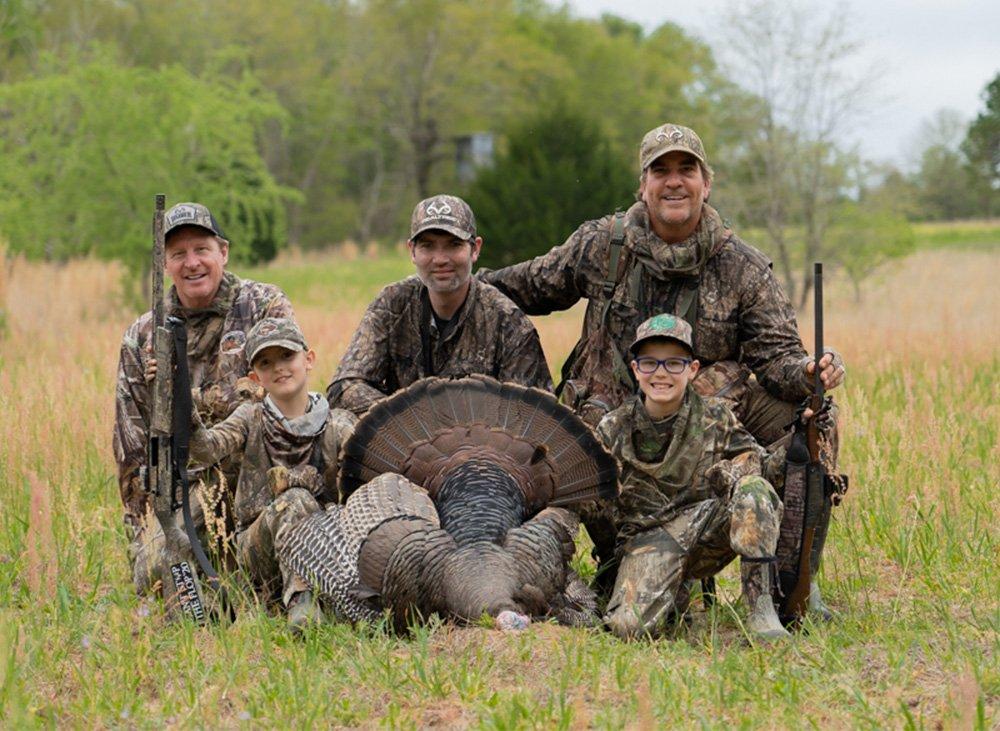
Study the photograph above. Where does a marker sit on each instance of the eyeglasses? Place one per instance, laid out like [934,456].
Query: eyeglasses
[648,365]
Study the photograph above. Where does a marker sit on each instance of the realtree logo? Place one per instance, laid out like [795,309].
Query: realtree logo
[438,209]
[676,135]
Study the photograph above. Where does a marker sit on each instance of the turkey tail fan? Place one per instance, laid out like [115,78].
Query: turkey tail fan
[323,549]
[429,428]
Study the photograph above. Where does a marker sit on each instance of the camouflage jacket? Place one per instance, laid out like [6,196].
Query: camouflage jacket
[216,337]
[489,335]
[708,452]
[740,312]
[264,440]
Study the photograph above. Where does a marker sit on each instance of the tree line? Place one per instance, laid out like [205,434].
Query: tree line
[308,122]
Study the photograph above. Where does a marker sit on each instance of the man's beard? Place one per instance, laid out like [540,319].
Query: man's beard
[455,283]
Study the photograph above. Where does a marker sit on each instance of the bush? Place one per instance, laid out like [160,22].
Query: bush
[558,171]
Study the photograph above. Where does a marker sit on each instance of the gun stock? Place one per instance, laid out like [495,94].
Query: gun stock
[798,600]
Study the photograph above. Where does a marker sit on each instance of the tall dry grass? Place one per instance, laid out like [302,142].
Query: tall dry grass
[912,566]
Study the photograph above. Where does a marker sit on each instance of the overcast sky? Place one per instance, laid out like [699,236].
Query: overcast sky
[934,53]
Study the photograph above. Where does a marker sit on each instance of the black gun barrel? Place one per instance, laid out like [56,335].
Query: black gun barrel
[818,312]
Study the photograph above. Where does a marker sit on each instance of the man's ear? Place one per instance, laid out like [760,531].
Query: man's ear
[477,245]
[223,249]
[410,245]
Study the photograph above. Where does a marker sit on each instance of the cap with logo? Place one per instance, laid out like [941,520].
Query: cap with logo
[665,326]
[445,212]
[670,138]
[274,331]
[191,214]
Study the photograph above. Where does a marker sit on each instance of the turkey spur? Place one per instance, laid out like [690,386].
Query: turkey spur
[454,495]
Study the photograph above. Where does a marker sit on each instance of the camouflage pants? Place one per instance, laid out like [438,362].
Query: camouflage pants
[146,547]
[146,550]
[650,589]
[259,546]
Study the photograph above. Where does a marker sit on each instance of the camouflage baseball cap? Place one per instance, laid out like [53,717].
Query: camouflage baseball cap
[668,138]
[274,331]
[191,214]
[663,326]
[446,212]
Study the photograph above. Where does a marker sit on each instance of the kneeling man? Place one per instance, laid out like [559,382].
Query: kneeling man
[441,322]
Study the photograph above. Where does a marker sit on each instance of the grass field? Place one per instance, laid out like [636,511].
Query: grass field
[912,565]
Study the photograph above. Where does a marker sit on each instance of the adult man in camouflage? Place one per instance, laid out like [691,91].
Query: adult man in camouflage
[219,309]
[441,322]
[672,252]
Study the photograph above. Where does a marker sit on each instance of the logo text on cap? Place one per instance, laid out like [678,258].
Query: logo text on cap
[438,209]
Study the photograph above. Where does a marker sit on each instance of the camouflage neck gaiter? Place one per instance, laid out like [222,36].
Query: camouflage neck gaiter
[289,442]
[676,470]
[685,258]
[204,325]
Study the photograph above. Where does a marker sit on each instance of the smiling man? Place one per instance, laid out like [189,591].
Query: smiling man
[219,309]
[441,322]
[671,252]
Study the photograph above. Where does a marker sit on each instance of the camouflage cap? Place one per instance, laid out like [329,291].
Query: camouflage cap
[446,212]
[668,138]
[274,331]
[191,214]
[670,327]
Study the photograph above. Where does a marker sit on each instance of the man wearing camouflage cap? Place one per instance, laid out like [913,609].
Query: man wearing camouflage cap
[692,496]
[219,309]
[441,322]
[672,252]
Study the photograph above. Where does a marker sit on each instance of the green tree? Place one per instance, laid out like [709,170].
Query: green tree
[864,238]
[85,150]
[982,148]
[558,171]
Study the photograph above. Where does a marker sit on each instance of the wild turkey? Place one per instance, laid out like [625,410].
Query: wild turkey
[454,492]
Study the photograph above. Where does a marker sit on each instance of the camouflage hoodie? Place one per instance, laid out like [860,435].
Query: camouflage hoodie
[487,336]
[266,439]
[708,451]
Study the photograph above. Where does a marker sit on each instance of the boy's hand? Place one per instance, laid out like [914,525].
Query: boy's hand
[832,369]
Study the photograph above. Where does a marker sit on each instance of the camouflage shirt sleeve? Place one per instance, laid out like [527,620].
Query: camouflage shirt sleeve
[131,421]
[769,337]
[339,427]
[733,440]
[559,279]
[364,369]
[524,362]
[208,446]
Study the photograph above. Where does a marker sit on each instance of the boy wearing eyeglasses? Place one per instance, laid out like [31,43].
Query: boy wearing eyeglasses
[692,497]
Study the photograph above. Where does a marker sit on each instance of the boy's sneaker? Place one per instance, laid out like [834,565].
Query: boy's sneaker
[303,611]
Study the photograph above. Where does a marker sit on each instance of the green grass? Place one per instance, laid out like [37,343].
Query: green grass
[322,281]
[911,569]
[957,234]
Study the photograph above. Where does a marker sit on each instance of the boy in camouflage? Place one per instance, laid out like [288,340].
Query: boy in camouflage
[692,496]
[290,444]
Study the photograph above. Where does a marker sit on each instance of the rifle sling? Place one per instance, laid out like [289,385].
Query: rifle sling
[182,406]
